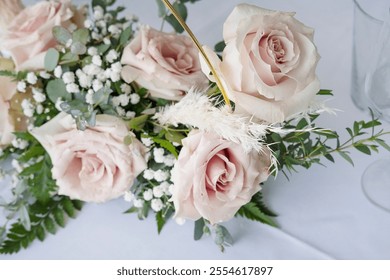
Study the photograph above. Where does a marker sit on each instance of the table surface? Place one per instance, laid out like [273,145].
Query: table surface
[323,213]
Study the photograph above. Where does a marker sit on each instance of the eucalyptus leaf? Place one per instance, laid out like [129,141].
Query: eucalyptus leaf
[103,48]
[199,229]
[162,11]
[78,48]
[51,59]
[56,89]
[69,57]
[125,36]
[81,36]
[61,34]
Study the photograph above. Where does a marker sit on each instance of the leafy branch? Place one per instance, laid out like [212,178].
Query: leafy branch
[300,148]
[45,218]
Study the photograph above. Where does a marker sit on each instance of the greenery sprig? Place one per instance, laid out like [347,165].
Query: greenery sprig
[45,218]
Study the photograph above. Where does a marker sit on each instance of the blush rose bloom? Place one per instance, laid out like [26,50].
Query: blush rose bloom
[268,63]
[214,177]
[29,35]
[92,165]
[9,9]
[166,64]
[11,117]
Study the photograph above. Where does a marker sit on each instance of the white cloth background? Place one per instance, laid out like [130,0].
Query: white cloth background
[323,213]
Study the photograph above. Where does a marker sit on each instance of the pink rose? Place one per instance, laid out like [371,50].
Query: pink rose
[269,63]
[166,64]
[29,35]
[7,114]
[92,165]
[8,10]
[213,177]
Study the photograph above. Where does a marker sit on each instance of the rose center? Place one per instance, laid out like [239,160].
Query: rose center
[220,172]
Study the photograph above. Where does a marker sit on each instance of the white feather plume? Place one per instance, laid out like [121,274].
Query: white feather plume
[197,110]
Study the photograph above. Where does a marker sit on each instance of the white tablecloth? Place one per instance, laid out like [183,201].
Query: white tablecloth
[323,213]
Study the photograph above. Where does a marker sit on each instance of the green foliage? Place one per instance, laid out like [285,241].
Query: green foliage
[125,36]
[7,73]
[45,218]
[166,145]
[39,179]
[162,217]
[56,89]
[199,229]
[180,8]
[257,199]
[327,92]
[306,144]
[138,123]
[51,59]
[81,36]
[61,34]
[253,212]
[222,237]
[37,175]
[219,47]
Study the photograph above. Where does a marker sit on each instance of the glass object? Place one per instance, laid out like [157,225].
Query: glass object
[376,183]
[368,21]
[371,88]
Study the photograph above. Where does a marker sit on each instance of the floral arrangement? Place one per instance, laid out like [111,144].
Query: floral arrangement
[95,106]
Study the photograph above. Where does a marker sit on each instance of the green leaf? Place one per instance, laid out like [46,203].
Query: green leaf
[329,157]
[40,231]
[61,34]
[32,152]
[166,145]
[78,49]
[327,133]
[198,229]
[372,123]
[160,221]
[356,128]
[325,92]
[131,210]
[174,23]
[346,157]
[220,46]
[161,8]
[59,218]
[41,184]
[302,124]
[138,123]
[81,36]
[51,59]
[41,222]
[50,225]
[383,144]
[258,200]
[174,136]
[103,48]
[68,207]
[362,148]
[350,132]
[125,36]
[77,204]
[25,136]
[252,212]
[8,73]
[69,58]
[56,89]
[222,237]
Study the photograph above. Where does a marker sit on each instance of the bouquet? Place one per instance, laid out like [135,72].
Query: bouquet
[95,106]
